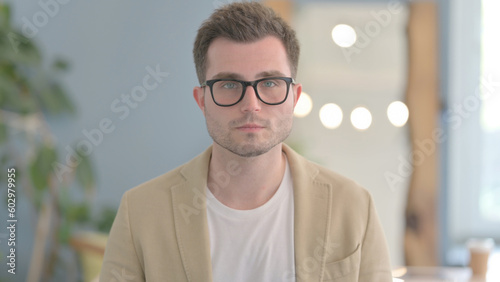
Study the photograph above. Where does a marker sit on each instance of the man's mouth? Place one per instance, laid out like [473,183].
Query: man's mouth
[250,127]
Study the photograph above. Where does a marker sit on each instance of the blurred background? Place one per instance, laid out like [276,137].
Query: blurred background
[96,98]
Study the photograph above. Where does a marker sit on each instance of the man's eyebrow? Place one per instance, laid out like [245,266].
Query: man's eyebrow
[232,75]
[270,73]
[227,75]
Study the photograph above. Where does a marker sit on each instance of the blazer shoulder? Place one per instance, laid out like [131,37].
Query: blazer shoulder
[160,182]
[341,184]
[307,172]
[192,173]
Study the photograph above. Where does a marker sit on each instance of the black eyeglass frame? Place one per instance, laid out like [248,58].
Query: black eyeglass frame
[210,83]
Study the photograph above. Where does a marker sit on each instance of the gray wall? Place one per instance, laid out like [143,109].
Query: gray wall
[109,45]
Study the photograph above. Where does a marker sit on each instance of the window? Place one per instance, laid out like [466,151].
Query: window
[489,197]
[472,119]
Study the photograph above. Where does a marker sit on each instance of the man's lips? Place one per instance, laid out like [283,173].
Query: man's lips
[250,127]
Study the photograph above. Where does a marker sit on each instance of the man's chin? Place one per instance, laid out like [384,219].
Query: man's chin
[248,150]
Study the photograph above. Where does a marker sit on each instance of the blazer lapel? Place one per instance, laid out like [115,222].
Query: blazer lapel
[190,217]
[312,200]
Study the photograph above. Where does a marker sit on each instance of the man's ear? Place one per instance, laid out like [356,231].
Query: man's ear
[199,97]
[297,92]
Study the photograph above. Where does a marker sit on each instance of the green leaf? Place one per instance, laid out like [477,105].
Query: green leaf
[48,101]
[4,160]
[78,213]
[14,91]
[8,91]
[63,200]
[13,41]
[60,102]
[38,199]
[60,64]
[18,49]
[85,174]
[41,166]
[51,95]
[64,233]
[3,133]
[4,15]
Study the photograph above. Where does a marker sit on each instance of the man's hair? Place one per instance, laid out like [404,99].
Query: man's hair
[244,22]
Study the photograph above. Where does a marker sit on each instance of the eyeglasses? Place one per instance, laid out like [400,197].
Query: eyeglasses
[229,92]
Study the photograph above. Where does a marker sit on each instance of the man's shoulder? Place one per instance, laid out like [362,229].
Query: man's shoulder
[341,185]
[156,190]
[160,182]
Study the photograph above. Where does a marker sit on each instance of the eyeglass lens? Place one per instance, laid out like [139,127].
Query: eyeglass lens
[227,92]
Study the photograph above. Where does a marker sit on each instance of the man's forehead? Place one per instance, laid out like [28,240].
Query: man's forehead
[265,57]
[224,45]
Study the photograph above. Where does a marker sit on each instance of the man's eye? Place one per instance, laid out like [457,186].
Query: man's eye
[230,85]
[269,83]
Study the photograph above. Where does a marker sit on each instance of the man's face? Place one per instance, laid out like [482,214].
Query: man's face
[249,128]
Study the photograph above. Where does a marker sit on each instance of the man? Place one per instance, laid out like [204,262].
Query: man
[249,208]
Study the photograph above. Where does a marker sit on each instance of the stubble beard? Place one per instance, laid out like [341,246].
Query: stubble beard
[252,145]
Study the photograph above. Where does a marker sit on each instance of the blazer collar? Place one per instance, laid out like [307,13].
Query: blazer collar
[190,217]
[312,201]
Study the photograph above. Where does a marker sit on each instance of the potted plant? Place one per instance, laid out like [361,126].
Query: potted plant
[31,95]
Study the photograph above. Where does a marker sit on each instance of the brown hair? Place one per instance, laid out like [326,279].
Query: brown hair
[244,22]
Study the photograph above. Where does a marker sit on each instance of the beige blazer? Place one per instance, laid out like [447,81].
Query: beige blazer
[160,232]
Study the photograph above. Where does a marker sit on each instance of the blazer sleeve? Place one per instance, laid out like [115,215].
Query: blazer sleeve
[375,262]
[121,262]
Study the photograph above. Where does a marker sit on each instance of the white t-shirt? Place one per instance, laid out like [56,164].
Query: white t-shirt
[253,245]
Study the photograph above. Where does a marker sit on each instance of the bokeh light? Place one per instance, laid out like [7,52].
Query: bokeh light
[330,115]
[344,35]
[398,113]
[361,118]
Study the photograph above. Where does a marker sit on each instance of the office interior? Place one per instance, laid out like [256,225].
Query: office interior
[401,96]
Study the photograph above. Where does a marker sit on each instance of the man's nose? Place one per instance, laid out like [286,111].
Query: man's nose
[250,102]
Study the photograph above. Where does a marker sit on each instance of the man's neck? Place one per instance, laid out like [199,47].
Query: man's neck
[245,182]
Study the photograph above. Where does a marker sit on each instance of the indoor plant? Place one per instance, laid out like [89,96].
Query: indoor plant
[32,95]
